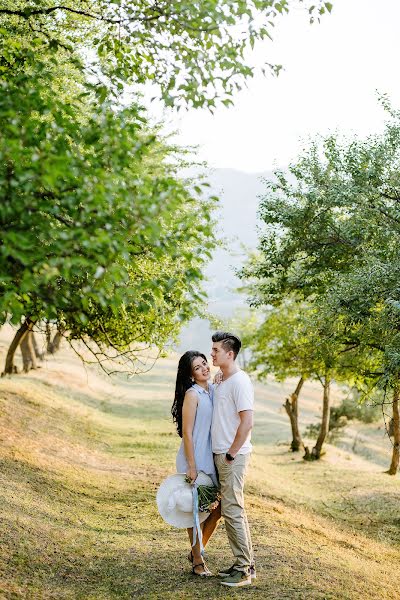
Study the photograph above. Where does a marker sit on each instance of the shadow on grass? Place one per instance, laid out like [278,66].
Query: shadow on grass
[374,513]
[105,403]
[92,542]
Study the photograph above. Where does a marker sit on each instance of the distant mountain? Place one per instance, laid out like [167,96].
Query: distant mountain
[238,193]
[237,224]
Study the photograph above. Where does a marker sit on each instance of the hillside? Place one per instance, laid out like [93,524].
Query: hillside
[82,456]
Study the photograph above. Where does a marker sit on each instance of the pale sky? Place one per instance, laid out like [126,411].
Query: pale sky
[332,72]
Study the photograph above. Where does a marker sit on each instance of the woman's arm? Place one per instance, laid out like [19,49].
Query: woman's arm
[188,416]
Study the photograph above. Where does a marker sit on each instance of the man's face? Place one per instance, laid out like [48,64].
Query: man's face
[219,356]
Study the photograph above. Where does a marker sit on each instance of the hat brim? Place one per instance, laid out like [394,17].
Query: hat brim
[175,517]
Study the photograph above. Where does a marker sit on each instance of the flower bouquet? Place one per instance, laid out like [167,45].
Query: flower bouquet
[208,495]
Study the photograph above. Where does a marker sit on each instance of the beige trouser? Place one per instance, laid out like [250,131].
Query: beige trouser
[231,478]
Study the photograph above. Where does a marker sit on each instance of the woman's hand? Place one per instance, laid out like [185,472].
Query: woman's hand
[191,473]
[218,377]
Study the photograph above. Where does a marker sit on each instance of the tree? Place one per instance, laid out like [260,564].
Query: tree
[194,51]
[370,318]
[296,340]
[332,237]
[99,234]
[87,184]
[277,348]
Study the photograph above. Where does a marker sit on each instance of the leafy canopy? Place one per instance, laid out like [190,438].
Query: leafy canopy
[331,237]
[196,52]
[98,232]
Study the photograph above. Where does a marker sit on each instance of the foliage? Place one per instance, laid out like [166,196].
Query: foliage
[279,344]
[98,232]
[332,236]
[196,52]
[295,339]
[331,239]
[351,408]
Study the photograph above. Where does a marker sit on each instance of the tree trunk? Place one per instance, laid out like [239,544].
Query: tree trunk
[292,408]
[55,344]
[38,354]
[48,337]
[396,434]
[323,432]
[28,352]
[26,326]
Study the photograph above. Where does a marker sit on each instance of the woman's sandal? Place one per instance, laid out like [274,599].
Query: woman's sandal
[205,573]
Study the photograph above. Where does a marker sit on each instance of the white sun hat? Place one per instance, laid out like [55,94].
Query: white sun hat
[175,500]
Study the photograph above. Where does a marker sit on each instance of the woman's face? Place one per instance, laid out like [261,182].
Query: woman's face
[200,370]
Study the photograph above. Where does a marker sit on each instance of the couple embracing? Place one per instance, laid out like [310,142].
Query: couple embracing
[215,422]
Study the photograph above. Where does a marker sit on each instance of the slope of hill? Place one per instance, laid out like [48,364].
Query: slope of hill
[82,455]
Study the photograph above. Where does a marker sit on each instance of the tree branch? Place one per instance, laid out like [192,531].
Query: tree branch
[30,12]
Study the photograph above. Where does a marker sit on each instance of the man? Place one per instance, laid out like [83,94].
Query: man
[230,432]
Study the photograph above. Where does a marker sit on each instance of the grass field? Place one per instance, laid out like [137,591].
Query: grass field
[82,456]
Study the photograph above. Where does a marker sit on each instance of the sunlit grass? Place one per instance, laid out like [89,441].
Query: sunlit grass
[81,457]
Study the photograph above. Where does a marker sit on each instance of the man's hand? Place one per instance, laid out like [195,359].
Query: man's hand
[229,462]
[218,377]
[245,426]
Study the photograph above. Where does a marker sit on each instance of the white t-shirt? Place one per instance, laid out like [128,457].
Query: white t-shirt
[231,397]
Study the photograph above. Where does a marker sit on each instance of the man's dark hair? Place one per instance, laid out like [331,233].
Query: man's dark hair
[230,341]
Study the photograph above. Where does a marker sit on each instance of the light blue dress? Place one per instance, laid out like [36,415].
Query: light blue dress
[201,435]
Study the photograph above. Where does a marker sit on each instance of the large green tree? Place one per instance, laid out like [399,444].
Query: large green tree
[98,232]
[101,236]
[196,52]
[367,304]
[331,236]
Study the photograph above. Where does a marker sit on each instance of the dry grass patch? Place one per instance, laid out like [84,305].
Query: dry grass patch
[80,463]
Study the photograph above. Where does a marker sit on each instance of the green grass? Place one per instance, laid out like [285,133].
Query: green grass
[80,463]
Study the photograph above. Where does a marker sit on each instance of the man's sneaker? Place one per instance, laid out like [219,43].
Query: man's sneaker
[226,572]
[237,579]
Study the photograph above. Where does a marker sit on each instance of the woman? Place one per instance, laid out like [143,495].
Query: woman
[192,413]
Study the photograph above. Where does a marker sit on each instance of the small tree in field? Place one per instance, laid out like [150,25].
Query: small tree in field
[293,341]
[277,348]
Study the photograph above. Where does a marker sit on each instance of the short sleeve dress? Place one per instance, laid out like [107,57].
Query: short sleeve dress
[201,435]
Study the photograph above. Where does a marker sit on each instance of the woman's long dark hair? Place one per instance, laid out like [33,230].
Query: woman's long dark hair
[183,383]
